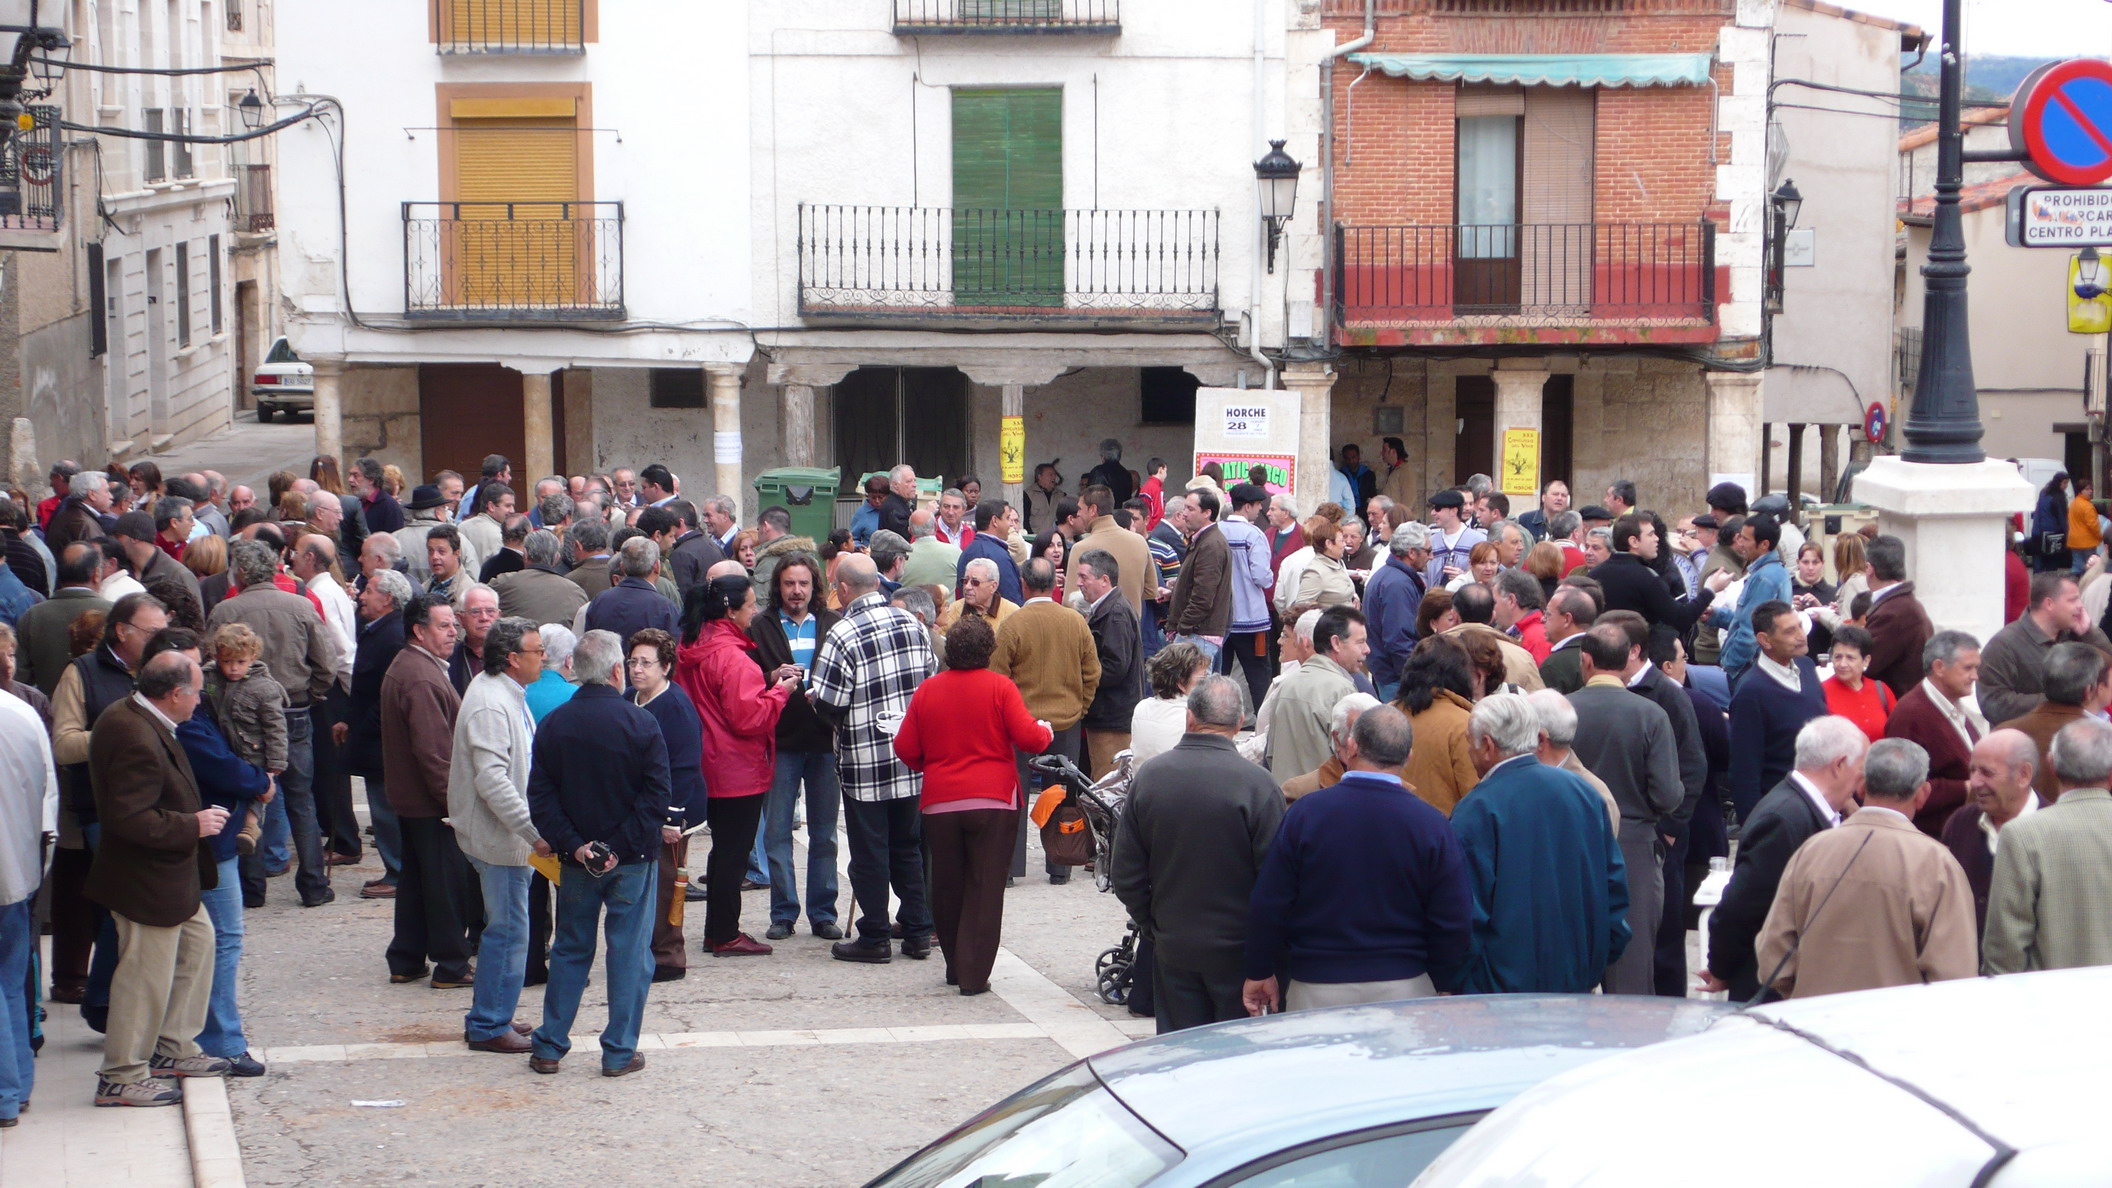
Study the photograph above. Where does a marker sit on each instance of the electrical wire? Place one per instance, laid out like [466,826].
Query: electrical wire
[191,138]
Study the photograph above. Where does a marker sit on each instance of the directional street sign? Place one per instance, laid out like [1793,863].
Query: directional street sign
[2061,119]
[2060,216]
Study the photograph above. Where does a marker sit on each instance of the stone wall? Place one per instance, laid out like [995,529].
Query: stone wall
[381,417]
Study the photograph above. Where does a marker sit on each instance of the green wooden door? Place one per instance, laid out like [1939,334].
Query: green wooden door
[1008,240]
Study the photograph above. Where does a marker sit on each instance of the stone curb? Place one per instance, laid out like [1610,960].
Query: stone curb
[209,1127]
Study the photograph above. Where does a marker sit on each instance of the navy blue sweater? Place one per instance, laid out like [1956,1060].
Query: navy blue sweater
[599,773]
[1765,718]
[1365,882]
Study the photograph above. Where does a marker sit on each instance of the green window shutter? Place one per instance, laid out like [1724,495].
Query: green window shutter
[1005,11]
[1008,234]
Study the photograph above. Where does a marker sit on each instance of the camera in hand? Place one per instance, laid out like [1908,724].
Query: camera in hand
[600,859]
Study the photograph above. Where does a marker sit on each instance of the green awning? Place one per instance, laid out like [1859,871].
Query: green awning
[1547,70]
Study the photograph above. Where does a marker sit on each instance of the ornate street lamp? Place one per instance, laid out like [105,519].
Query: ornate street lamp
[21,36]
[1276,177]
[1788,203]
[2089,274]
[252,109]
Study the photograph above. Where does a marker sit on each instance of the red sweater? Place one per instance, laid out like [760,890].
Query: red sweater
[1868,708]
[739,708]
[960,732]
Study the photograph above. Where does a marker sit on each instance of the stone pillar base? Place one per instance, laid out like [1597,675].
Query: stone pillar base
[1313,385]
[1955,523]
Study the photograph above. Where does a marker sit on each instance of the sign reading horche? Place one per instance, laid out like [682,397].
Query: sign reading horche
[1243,427]
[2060,216]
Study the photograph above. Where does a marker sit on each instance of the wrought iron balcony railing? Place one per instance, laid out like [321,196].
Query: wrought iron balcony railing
[253,209]
[513,261]
[1008,16]
[510,26]
[949,263]
[32,199]
[1525,276]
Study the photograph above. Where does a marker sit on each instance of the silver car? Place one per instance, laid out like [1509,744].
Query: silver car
[1356,1097]
[282,383]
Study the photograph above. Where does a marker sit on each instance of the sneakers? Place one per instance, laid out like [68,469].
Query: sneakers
[244,1065]
[200,1065]
[742,945]
[149,1092]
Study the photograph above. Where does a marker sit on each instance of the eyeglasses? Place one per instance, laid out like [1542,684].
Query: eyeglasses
[641,662]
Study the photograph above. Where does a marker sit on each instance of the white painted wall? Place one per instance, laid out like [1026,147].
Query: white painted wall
[1833,339]
[670,101]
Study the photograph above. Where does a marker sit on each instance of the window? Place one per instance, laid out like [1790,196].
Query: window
[917,415]
[157,160]
[179,152]
[98,294]
[183,294]
[1169,396]
[212,278]
[676,387]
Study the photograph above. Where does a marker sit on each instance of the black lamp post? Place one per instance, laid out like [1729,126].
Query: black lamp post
[1788,203]
[1276,177]
[1943,423]
[252,109]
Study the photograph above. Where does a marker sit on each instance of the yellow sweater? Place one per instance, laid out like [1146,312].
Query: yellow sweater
[1047,650]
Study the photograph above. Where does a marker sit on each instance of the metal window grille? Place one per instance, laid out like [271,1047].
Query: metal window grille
[1525,274]
[1008,16]
[554,261]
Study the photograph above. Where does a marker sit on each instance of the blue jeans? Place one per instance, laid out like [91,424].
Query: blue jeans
[759,861]
[18,1071]
[223,1020]
[388,831]
[2080,559]
[1210,650]
[817,769]
[292,813]
[502,955]
[627,895]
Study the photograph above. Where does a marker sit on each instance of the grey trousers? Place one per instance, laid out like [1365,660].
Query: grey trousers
[1642,849]
[159,996]
[1311,996]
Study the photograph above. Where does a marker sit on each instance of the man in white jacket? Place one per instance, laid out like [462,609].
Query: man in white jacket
[487,800]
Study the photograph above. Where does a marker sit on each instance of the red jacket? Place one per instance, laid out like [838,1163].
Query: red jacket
[1153,492]
[1532,636]
[960,732]
[738,706]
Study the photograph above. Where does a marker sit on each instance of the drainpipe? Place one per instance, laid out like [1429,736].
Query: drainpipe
[1328,263]
[1261,42]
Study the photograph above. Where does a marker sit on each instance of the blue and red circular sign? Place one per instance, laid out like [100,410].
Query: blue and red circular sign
[2061,119]
[1874,422]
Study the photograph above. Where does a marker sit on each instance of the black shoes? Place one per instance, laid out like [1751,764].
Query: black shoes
[778,930]
[669,973]
[870,952]
[828,932]
[328,896]
[916,948]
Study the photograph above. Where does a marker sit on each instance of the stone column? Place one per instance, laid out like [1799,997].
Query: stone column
[1518,397]
[329,408]
[1829,461]
[580,455]
[795,411]
[1314,385]
[1954,521]
[724,382]
[538,434]
[1735,440]
[1012,402]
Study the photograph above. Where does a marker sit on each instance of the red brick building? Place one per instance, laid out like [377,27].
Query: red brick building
[1545,215]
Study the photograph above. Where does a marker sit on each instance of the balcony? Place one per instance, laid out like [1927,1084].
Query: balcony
[510,26]
[1550,283]
[253,209]
[513,262]
[32,198]
[913,17]
[959,268]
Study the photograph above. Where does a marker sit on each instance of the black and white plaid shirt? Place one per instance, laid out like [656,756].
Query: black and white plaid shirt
[868,665]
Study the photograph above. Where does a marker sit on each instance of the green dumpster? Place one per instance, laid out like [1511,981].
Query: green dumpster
[809,493]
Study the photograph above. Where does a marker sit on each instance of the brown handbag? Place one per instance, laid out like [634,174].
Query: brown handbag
[1067,837]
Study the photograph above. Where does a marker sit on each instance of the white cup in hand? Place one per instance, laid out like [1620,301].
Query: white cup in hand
[211,821]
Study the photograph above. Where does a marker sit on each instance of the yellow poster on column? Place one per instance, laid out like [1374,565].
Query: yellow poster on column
[1521,462]
[1012,449]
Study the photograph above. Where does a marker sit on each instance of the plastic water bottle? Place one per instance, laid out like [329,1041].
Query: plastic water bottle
[1707,897]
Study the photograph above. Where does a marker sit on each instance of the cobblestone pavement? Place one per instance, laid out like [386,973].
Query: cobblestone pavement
[786,1071]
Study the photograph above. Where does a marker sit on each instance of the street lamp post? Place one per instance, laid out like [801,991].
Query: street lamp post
[1276,180]
[20,37]
[1943,423]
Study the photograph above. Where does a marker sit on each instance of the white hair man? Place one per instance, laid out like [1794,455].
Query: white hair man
[1551,901]
[1558,735]
[1347,711]
[1808,801]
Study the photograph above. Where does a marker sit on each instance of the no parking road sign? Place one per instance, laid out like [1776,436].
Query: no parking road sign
[2061,120]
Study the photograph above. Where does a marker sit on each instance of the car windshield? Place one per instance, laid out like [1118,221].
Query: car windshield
[1065,1132]
[281,353]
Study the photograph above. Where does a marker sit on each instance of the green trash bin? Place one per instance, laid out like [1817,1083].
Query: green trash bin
[809,493]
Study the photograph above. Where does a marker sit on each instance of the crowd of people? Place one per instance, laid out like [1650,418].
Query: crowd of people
[1381,750]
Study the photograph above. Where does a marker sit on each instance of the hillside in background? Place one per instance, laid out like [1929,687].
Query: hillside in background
[1989,78]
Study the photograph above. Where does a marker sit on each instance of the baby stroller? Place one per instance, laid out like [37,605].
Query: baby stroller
[1102,801]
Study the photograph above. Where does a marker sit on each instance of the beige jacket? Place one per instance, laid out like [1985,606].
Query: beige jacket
[2052,880]
[1900,915]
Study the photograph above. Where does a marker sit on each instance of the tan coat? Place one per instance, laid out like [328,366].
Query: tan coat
[1326,776]
[1902,915]
[2053,877]
[1519,667]
[1440,769]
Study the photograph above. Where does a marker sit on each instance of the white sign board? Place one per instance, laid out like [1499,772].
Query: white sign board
[1247,421]
[2060,216]
[1800,248]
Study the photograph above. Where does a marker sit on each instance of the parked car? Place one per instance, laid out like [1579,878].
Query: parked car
[1982,1081]
[1361,1096]
[283,383]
